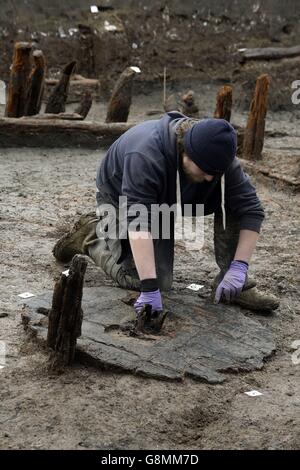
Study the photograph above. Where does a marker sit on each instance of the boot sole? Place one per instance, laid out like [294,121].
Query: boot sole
[61,246]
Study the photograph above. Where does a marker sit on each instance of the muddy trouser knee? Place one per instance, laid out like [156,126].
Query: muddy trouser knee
[225,243]
[164,259]
[105,252]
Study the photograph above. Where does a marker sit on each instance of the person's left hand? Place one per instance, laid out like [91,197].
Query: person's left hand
[233,281]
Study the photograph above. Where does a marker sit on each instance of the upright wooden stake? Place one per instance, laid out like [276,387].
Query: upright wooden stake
[18,84]
[65,317]
[189,105]
[85,105]
[255,128]
[224,103]
[85,53]
[120,101]
[58,98]
[36,85]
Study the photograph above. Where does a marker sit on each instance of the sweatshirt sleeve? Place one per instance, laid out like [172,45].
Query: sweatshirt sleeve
[143,179]
[241,198]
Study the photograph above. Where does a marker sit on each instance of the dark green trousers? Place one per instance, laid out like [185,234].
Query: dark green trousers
[115,258]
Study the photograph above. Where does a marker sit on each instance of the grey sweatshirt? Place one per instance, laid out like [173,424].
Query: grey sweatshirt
[143,163]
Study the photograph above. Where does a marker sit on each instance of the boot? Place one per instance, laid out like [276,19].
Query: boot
[250,297]
[253,299]
[249,283]
[82,239]
[74,242]
[225,243]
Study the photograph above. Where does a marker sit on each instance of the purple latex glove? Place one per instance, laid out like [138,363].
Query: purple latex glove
[233,281]
[151,298]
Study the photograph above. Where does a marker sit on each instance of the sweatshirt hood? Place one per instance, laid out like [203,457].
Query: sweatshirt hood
[167,135]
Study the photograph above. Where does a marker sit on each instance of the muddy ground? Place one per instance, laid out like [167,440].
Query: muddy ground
[42,192]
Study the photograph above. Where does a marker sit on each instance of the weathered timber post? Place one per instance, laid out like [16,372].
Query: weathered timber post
[65,316]
[189,105]
[58,98]
[85,55]
[224,103]
[18,83]
[36,85]
[171,104]
[84,105]
[255,128]
[120,101]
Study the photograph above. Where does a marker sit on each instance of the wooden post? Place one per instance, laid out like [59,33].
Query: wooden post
[65,316]
[58,98]
[120,101]
[165,87]
[85,55]
[17,88]
[255,128]
[224,103]
[85,105]
[189,105]
[36,85]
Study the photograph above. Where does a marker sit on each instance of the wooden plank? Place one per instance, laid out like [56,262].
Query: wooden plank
[270,53]
[31,132]
[77,86]
[199,340]
[64,116]
[253,168]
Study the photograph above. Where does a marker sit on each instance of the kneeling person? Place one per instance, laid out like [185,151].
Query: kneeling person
[144,166]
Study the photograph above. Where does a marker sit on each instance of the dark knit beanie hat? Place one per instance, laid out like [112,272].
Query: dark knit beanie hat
[211,144]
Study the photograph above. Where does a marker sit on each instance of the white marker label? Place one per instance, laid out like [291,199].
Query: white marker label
[135,69]
[195,287]
[253,393]
[26,295]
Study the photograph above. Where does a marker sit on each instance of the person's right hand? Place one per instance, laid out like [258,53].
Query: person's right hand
[152,298]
